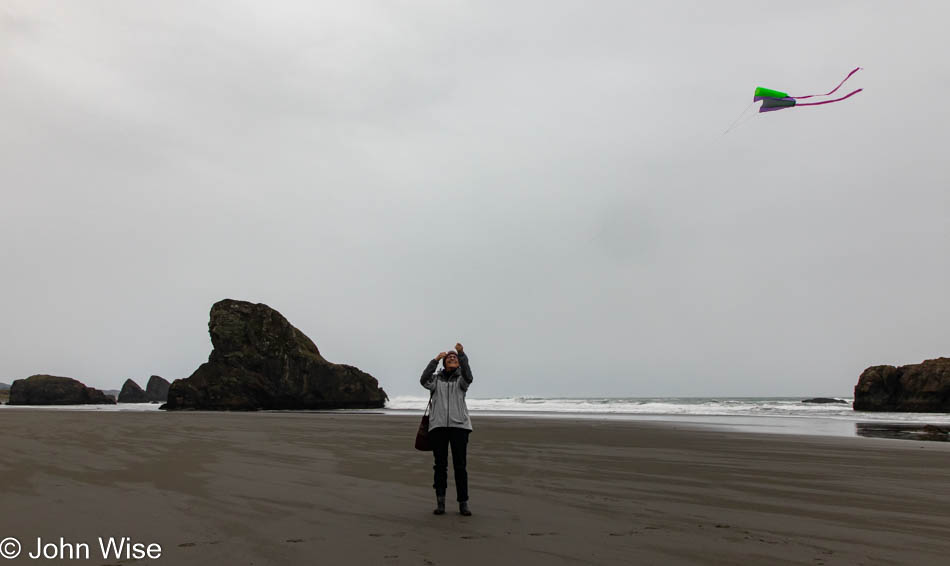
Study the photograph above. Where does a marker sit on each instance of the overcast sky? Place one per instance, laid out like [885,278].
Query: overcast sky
[545,181]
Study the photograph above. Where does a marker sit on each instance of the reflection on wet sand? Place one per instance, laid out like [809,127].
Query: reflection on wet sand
[914,431]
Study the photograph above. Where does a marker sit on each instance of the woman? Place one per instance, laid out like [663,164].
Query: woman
[449,424]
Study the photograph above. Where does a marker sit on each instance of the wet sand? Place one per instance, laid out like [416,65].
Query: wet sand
[311,488]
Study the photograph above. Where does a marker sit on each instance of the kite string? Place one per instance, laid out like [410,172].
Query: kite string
[739,118]
[856,69]
[749,117]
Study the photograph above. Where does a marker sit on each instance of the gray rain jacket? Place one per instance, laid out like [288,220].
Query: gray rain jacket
[448,394]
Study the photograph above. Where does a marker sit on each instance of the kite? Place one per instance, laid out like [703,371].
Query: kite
[777,100]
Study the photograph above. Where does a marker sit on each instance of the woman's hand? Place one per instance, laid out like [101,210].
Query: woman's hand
[440,356]
[458,347]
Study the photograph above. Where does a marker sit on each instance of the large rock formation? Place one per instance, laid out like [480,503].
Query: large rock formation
[260,361]
[132,393]
[53,390]
[157,389]
[918,388]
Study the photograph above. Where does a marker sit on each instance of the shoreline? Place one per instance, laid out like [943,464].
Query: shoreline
[283,488]
[924,426]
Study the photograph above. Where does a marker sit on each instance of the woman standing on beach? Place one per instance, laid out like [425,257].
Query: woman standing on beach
[449,424]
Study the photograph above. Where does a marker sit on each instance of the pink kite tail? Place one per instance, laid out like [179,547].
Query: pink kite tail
[829,101]
[856,69]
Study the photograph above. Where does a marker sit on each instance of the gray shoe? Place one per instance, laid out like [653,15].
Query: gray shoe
[463,509]
[439,505]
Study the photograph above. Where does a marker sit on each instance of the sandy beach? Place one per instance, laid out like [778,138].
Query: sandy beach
[331,488]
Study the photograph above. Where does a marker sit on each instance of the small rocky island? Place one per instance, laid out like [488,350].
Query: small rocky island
[917,388]
[54,390]
[824,401]
[156,391]
[261,361]
[132,393]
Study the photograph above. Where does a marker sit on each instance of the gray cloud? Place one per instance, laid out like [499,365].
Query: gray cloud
[546,182]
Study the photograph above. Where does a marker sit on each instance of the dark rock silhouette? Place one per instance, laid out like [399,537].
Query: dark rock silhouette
[824,400]
[917,388]
[260,361]
[54,390]
[132,393]
[156,391]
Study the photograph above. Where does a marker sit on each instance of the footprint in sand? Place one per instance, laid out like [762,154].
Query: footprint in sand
[190,544]
[294,540]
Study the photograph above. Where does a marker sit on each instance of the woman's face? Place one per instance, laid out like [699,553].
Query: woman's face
[451,361]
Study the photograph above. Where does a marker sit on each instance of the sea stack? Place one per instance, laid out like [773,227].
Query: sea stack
[917,388]
[156,391]
[261,361]
[55,390]
[132,393]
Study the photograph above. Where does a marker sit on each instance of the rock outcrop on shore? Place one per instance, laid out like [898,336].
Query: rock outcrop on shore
[917,388]
[132,393]
[156,391]
[54,390]
[823,400]
[261,361]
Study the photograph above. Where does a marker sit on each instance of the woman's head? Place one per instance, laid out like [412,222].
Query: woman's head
[451,360]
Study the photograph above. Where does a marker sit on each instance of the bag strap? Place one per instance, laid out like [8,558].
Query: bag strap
[430,403]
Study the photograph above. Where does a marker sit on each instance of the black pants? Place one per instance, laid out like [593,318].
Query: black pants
[442,437]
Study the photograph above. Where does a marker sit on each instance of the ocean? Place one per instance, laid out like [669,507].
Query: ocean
[782,415]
